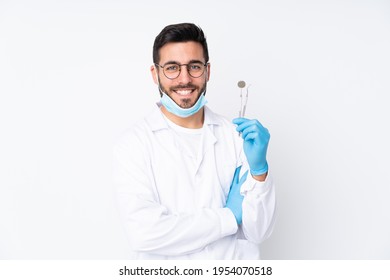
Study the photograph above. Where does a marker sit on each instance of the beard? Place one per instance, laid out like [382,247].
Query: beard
[185,103]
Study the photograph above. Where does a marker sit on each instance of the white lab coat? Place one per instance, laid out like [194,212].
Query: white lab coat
[173,211]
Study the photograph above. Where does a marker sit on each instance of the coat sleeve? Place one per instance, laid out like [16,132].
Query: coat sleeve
[149,226]
[258,207]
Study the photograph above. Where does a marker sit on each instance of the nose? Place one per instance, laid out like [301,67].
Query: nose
[184,76]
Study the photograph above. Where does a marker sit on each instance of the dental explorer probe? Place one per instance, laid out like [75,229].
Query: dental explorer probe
[241,85]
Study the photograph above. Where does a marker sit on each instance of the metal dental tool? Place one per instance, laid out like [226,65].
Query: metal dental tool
[241,85]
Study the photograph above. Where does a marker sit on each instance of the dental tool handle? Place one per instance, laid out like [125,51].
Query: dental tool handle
[239,115]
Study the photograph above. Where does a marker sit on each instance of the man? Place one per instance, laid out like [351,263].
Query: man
[189,187]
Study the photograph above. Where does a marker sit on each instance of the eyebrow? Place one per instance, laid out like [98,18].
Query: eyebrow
[176,62]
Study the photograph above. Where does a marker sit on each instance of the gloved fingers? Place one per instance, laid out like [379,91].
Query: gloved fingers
[249,129]
[234,193]
[243,125]
[236,177]
[239,121]
[262,133]
[237,182]
[250,136]
[243,178]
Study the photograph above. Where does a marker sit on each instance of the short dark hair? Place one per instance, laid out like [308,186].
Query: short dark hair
[181,32]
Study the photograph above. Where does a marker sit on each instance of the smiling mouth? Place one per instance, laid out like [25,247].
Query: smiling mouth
[184,92]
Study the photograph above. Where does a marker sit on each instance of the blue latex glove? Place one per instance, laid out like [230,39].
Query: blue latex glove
[234,199]
[256,138]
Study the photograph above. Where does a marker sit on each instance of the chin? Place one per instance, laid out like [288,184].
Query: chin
[186,102]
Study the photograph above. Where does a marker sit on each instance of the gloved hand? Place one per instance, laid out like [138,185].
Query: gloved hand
[256,138]
[234,199]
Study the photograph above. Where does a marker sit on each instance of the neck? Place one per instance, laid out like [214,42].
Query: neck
[194,121]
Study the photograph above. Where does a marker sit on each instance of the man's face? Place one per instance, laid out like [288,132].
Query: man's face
[184,90]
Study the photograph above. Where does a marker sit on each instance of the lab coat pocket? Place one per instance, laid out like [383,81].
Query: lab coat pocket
[246,250]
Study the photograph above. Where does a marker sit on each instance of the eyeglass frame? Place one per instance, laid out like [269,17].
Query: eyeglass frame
[180,65]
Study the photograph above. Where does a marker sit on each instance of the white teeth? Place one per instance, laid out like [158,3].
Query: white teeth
[183,92]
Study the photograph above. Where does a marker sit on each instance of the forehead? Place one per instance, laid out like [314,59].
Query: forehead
[182,52]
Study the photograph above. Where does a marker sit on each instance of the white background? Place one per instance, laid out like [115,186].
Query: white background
[75,74]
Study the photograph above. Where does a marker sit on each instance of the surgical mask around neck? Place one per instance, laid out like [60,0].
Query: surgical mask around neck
[175,109]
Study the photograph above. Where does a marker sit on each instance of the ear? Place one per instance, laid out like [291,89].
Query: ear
[154,73]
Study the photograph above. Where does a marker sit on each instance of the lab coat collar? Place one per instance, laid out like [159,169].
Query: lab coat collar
[156,120]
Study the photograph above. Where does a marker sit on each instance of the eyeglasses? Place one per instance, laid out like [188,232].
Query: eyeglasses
[172,70]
